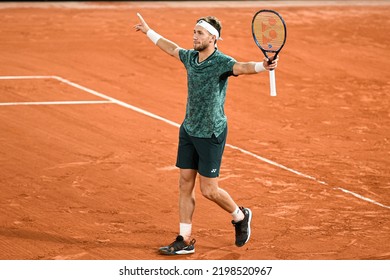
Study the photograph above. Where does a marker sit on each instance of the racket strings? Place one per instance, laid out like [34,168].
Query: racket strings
[269,31]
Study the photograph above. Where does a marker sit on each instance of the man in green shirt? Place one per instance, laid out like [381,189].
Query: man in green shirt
[203,133]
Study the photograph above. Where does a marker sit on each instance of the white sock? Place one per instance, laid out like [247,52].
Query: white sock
[238,215]
[185,230]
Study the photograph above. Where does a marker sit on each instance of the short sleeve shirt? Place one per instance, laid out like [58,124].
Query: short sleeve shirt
[207,84]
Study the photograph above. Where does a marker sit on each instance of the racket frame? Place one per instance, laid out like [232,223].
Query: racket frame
[276,52]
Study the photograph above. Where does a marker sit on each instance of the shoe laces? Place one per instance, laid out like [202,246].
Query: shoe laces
[179,241]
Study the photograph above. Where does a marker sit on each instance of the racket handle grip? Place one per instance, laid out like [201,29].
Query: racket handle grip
[272,83]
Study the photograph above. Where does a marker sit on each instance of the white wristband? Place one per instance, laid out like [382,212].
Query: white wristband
[152,35]
[259,67]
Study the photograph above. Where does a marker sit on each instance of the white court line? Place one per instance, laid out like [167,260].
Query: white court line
[123,104]
[54,103]
[24,77]
[116,101]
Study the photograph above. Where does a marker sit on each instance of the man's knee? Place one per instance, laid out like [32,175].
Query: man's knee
[187,179]
[209,188]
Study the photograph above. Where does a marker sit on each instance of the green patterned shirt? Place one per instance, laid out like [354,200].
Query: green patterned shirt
[207,83]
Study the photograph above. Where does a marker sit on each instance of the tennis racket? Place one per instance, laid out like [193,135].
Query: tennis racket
[269,32]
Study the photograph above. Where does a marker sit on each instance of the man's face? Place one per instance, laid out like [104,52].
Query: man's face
[202,38]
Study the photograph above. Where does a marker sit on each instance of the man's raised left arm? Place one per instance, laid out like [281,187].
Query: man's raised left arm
[244,68]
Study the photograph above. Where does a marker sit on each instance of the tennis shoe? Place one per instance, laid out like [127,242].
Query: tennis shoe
[178,247]
[243,228]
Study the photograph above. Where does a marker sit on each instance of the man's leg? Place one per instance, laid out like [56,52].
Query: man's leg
[210,189]
[241,216]
[183,243]
[186,198]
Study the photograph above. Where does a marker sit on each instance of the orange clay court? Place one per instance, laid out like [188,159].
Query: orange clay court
[88,120]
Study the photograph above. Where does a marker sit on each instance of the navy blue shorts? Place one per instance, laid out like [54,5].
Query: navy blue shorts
[201,154]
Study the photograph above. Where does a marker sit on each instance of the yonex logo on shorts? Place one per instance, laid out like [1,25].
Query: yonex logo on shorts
[213,170]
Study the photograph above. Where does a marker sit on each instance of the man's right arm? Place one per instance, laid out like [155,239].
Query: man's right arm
[164,44]
[169,47]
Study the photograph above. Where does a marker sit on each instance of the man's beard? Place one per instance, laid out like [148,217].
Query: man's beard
[200,47]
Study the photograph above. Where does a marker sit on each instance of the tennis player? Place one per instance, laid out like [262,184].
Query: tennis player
[203,133]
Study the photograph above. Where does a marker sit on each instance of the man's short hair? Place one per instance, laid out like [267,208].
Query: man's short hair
[214,22]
